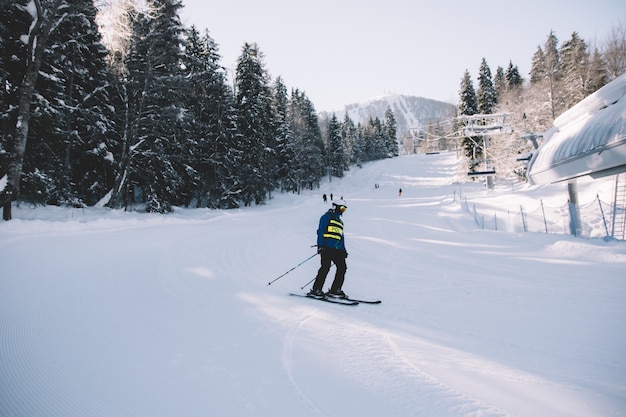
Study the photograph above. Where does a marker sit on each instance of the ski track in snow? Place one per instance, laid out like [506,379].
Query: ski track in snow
[404,389]
[136,315]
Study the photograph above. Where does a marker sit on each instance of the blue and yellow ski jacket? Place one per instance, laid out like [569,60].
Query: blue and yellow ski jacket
[330,231]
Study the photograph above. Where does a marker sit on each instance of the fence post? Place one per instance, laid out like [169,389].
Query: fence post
[545,223]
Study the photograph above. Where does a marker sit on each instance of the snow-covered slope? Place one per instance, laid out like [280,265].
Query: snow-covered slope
[106,313]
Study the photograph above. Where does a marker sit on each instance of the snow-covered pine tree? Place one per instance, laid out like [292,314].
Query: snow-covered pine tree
[468,105]
[152,158]
[500,82]
[313,145]
[296,136]
[487,95]
[371,135]
[575,69]
[60,71]
[538,66]
[513,78]
[305,138]
[553,75]
[68,159]
[46,16]
[284,148]
[336,153]
[212,131]
[255,121]
[544,95]
[349,138]
[598,76]
[391,139]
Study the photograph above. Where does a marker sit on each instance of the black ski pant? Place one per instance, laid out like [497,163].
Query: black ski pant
[328,256]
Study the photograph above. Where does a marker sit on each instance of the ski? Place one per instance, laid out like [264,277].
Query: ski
[329,300]
[357,300]
[364,301]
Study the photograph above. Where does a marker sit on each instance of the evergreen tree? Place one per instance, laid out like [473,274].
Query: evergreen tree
[553,74]
[552,57]
[545,90]
[45,19]
[255,119]
[369,141]
[306,139]
[513,78]
[468,105]
[487,96]
[391,139]
[360,152]
[500,82]
[376,141]
[336,153]
[349,138]
[538,69]
[210,154]
[152,155]
[68,160]
[598,76]
[575,70]
[284,148]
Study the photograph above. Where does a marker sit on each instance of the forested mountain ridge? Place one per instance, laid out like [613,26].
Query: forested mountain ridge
[411,112]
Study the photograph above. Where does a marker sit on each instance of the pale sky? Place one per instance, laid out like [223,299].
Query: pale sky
[346,51]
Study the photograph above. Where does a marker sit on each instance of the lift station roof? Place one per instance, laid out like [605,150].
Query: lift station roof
[588,139]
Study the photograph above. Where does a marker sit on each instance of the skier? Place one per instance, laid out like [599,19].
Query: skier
[400,193]
[332,249]
[324,197]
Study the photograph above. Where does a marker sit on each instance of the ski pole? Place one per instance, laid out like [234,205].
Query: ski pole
[310,257]
[305,285]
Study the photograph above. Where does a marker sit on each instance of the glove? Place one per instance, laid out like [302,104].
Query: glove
[320,250]
[346,254]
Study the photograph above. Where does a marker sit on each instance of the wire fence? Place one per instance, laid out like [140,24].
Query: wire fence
[590,220]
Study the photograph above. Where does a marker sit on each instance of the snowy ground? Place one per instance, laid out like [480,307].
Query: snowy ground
[106,313]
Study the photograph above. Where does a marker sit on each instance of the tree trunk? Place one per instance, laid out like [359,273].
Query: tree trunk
[45,22]
[119,196]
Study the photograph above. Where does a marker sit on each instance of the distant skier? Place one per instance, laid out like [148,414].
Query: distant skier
[332,249]
[324,197]
[400,193]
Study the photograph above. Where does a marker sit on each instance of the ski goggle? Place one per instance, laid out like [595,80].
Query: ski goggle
[342,208]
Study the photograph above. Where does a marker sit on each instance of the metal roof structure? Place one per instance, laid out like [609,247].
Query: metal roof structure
[588,139]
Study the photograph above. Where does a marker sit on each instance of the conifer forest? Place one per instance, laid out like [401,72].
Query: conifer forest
[150,120]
